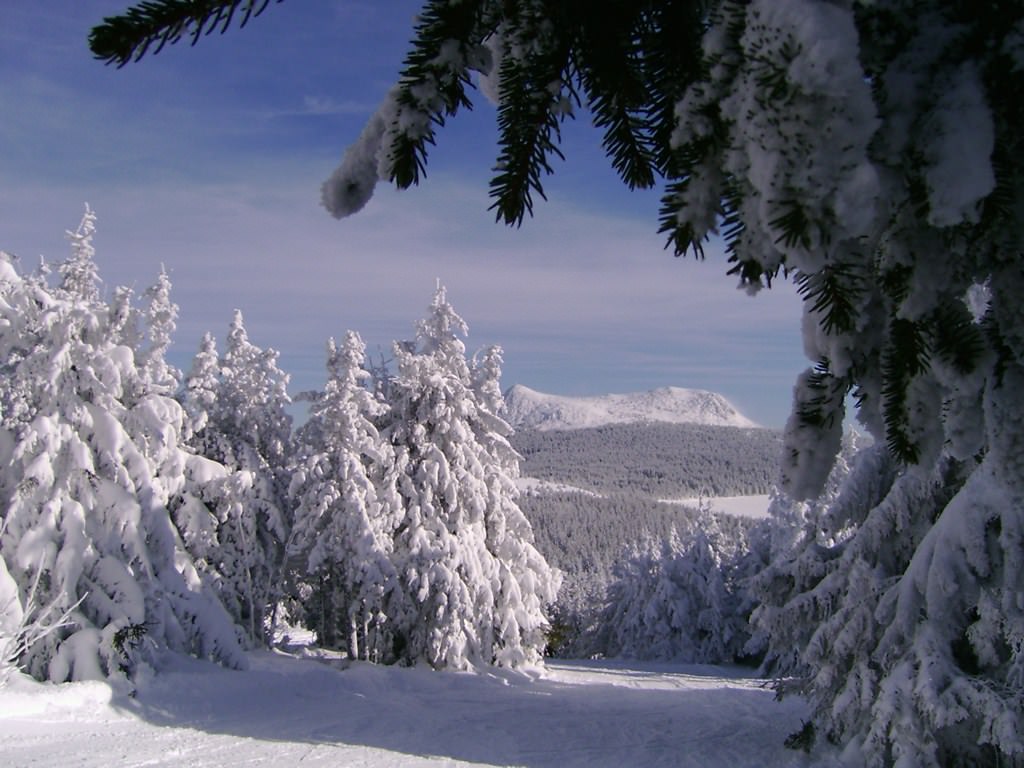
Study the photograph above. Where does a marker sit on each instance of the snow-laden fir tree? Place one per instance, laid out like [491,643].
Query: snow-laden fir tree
[872,152]
[527,585]
[346,509]
[801,537]
[160,314]
[237,406]
[256,390]
[79,275]
[92,457]
[476,587]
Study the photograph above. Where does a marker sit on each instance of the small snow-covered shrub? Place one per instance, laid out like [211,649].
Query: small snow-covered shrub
[22,625]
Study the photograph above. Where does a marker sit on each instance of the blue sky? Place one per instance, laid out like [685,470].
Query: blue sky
[209,160]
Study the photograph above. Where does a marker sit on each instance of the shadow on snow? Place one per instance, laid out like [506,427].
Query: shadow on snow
[573,713]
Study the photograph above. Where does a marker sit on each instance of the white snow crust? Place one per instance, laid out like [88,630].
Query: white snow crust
[286,710]
[528,409]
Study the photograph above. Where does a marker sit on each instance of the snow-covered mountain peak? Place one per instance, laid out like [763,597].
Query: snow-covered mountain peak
[528,409]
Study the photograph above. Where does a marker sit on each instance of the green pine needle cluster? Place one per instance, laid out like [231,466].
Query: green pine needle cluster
[128,37]
[825,406]
[626,63]
[443,28]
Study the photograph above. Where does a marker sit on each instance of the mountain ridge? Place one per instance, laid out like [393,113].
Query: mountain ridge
[527,408]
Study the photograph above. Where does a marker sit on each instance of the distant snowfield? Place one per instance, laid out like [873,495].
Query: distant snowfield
[755,507]
[291,711]
[740,506]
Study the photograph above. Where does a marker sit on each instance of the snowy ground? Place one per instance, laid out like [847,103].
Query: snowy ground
[290,711]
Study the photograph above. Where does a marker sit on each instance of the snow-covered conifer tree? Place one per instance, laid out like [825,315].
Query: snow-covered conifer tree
[256,390]
[476,586]
[521,602]
[700,576]
[803,537]
[200,392]
[237,410]
[160,315]
[79,275]
[93,457]
[858,581]
[123,320]
[346,509]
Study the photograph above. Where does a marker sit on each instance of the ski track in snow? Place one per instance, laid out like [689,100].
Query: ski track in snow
[291,711]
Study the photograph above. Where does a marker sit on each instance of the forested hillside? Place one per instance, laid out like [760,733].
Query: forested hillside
[587,535]
[601,504]
[659,461]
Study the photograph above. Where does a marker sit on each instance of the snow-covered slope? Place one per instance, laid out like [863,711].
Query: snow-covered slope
[529,409]
[287,711]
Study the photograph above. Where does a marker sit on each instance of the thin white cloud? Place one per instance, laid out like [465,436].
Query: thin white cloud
[323,105]
[318,106]
[575,297]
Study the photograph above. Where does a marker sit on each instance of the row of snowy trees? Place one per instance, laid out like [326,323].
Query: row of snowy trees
[681,598]
[406,525]
[145,511]
[711,592]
